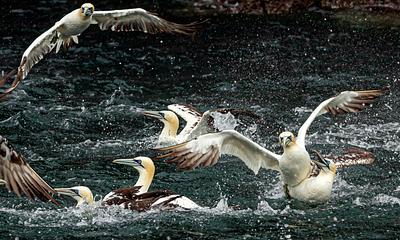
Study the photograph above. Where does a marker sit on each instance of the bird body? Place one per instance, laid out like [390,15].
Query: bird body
[304,179]
[67,29]
[137,197]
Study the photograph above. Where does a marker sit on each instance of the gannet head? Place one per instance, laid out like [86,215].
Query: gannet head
[139,163]
[168,118]
[163,116]
[87,9]
[144,166]
[81,194]
[287,139]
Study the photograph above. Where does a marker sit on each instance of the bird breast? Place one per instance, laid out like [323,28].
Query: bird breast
[295,165]
[74,24]
[314,189]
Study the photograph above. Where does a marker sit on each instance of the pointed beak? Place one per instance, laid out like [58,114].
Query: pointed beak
[130,162]
[153,114]
[88,12]
[67,191]
[287,141]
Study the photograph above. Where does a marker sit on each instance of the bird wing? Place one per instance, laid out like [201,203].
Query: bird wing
[33,54]
[345,102]
[189,114]
[206,150]
[137,19]
[130,199]
[20,178]
[206,123]
[201,127]
[352,156]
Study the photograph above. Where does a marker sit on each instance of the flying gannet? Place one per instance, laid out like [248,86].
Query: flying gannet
[304,179]
[197,123]
[67,30]
[19,177]
[137,197]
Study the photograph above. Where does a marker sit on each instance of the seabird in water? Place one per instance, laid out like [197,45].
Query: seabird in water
[304,179]
[197,123]
[19,177]
[67,30]
[137,197]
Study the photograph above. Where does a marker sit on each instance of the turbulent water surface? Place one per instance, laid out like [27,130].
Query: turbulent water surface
[77,111]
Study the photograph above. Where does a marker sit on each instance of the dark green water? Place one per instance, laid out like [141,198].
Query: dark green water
[78,111]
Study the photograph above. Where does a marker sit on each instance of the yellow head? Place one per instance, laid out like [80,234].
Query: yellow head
[287,139]
[81,194]
[139,163]
[87,9]
[170,120]
[144,166]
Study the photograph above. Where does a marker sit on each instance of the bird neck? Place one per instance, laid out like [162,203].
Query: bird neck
[295,164]
[169,131]
[83,16]
[145,179]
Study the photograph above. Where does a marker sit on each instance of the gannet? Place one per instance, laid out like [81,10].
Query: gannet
[67,30]
[304,179]
[19,177]
[137,197]
[197,123]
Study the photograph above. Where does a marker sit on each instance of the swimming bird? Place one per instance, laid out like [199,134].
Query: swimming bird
[303,179]
[19,177]
[66,31]
[197,123]
[137,197]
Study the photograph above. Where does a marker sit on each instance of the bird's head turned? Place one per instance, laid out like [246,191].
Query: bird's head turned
[139,163]
[81,194]
[287,139]
[167,117]
[87,9]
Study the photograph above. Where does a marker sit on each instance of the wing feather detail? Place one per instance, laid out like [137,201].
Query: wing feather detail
[191,115]
[345,102]
[41,46]
[207,149]
[20,178]
[137,19]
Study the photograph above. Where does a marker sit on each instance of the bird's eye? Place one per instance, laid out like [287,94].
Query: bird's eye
[75,191]
[83,10]
[138,161]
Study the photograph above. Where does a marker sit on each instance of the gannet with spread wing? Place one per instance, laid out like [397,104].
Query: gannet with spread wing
[19,177]
[303,179]
[137,197]
[67,30]
[197,123]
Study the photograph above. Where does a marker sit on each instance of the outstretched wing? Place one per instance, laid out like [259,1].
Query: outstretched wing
[137,19]
[189,114]
[345,102]
[20,178]
[206,150]
[352,156]
[33,54]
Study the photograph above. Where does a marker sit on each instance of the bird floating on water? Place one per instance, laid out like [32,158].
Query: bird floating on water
[304,179]
[67,30]
[137,197]
[19,177]
[197,123]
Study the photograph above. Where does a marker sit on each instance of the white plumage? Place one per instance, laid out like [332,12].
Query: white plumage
[67,30]
[295,165]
